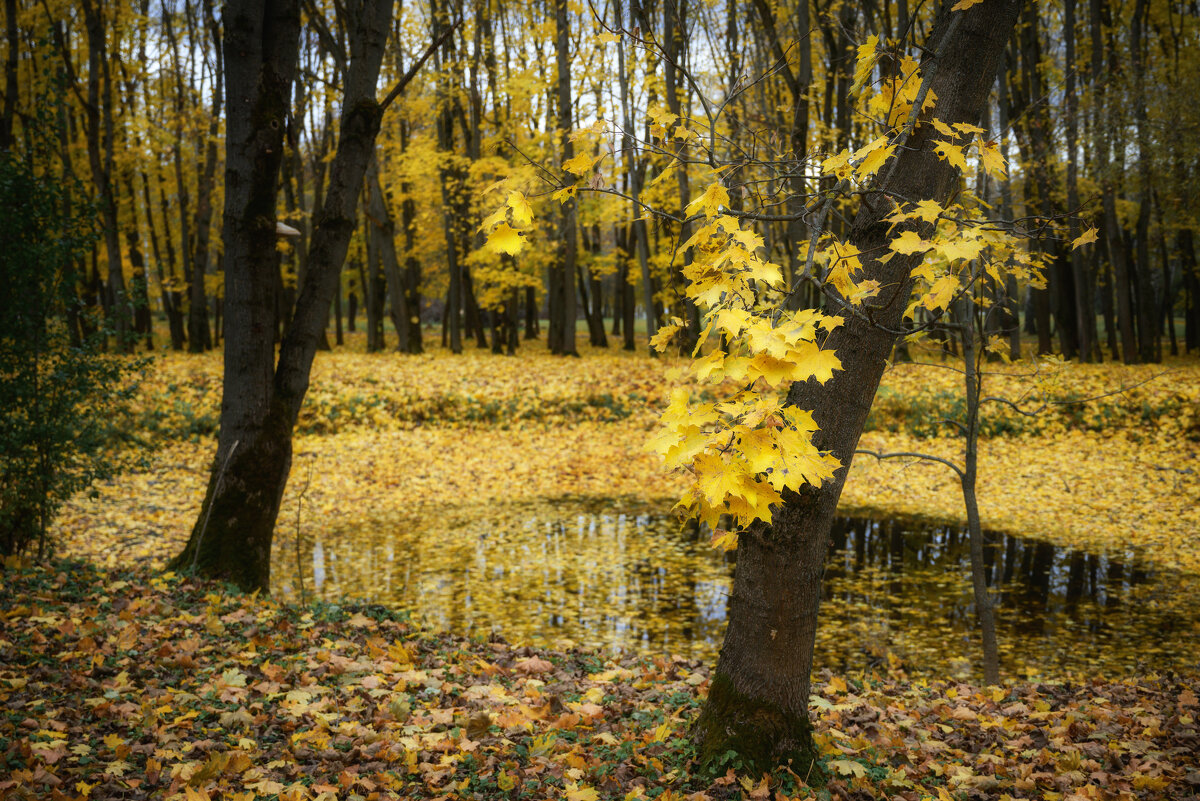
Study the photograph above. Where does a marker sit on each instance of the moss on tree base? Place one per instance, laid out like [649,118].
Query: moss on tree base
[752,735]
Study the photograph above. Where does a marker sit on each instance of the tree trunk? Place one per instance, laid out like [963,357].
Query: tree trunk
[232,537]
[564,303]
[380,216]
[1085,313]
[198,333]
[1149,342]
[984,608]
[758,703]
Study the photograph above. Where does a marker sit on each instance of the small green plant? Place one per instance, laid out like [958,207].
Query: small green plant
[59,394]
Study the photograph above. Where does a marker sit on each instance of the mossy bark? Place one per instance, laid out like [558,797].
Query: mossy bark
[750,735]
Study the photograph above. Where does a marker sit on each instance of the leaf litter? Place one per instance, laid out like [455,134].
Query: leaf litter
[121,683]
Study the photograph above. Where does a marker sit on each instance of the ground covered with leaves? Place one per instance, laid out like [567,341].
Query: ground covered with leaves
[135,685]
[119,682]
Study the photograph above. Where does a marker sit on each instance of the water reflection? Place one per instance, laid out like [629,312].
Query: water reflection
[622,577]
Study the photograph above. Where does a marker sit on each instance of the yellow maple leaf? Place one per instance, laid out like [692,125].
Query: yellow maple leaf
[993,163]
[865,62]
[963,5]
[522,211]
[955,249]
[948,151]
[939,295]
[848,767]
[909,243]
[505,239]
[874,160]
[711,201]
[580,164]
[1086,238]
[724,540]
[663,338]
[577,793]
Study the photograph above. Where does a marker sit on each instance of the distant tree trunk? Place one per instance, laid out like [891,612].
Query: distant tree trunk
[373,286]
[11,88]
[198,332]
[1085,313]
[412,265]
[380,216]
[1112,227]
[635,174]
[99,130]
[562,302]
[1191,289]
[757,705]
[1149,341]
[262,398]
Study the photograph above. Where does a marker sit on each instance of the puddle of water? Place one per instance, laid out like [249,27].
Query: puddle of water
[620,576]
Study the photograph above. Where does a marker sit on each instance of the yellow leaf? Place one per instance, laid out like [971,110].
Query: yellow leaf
[580,165]
[963,5]
[1086,238]
[955,249]
[496,217]
[909,243]
[874,160]
[577,793]
[724,540]
[505,239]
[942,291]
[711,201]
[848,767]
[993,163]
[522,211]
[505,781]
[865,62]
[663,338]
[948,151]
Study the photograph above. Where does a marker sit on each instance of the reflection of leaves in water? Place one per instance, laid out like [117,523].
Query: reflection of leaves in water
[619,576]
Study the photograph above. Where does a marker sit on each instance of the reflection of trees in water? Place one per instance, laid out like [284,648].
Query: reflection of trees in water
[621,579]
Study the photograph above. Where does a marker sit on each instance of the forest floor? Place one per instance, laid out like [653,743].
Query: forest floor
[120,682]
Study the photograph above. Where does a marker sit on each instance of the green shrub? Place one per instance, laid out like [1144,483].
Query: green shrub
[59,395]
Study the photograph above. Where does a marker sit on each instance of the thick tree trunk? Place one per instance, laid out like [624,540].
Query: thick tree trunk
[232,536]
[262,399]
[758,703]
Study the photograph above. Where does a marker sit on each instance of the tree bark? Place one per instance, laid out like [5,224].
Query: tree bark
[758,703]
[262,399]
[563,302]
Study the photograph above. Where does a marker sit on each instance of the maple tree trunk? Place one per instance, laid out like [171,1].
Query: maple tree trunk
[757,706]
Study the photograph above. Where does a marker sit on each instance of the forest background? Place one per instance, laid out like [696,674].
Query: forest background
[606,112]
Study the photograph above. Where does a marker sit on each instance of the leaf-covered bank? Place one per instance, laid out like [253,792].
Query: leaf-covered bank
[132,685]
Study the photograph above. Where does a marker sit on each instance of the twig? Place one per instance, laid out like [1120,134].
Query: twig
[299,504]
[909,455]
[212,500]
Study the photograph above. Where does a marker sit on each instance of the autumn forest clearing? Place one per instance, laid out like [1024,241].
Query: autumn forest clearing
[129,680]
[662,399]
